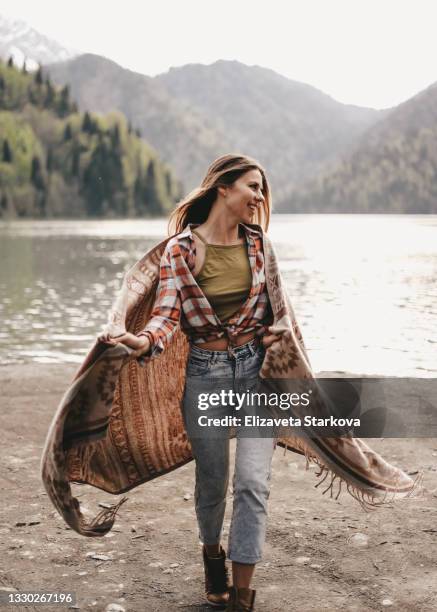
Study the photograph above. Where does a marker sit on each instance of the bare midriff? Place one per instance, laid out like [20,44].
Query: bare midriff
[221,344]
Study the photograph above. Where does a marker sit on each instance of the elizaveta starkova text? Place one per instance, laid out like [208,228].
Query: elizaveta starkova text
[257,421]
[229,397]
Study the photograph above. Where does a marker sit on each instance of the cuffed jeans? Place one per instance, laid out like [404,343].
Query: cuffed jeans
[208,371]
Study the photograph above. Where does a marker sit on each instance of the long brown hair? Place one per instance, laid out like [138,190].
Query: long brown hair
[225,170]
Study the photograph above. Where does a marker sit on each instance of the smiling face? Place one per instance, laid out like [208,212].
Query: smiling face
[244,196]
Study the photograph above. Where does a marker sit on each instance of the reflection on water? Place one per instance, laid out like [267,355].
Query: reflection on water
[363,287]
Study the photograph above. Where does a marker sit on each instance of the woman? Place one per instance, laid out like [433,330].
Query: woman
[117,427]
[212,282]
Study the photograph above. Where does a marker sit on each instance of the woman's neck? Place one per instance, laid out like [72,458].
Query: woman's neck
[220,231]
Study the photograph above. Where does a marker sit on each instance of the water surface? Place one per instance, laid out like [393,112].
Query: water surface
[363,287]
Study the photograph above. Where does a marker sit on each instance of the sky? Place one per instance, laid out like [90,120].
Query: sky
[375,53]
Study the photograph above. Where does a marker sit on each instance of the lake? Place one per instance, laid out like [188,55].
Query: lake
[363,287]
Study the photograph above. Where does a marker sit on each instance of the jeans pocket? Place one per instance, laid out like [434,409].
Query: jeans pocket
[258,360]
[197,366]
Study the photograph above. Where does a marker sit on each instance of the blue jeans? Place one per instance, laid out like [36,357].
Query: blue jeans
[210,371]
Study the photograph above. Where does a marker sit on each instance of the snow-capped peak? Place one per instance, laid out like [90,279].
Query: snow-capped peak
[19,40]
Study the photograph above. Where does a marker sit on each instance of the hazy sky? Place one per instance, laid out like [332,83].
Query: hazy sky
[374,53]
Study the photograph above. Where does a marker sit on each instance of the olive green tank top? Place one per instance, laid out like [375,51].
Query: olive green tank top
[225,277]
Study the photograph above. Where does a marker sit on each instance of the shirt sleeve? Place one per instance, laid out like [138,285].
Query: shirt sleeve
[166,311]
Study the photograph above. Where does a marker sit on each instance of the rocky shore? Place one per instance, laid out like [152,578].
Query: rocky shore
[320,553]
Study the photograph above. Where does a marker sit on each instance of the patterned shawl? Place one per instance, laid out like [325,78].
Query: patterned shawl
[119,424]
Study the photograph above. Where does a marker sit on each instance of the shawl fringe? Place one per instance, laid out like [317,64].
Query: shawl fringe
[103,522]
[368,500]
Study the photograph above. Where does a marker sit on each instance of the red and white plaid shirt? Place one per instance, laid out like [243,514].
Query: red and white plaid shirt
[179,299]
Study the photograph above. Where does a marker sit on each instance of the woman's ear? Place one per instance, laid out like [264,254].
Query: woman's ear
[222,190]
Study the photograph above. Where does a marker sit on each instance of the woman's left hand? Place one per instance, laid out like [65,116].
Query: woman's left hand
[270,339]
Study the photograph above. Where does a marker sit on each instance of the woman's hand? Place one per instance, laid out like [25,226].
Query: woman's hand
[270,339]
[139,344]
[106,338]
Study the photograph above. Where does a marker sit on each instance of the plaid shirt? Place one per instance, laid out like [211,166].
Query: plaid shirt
[179,299]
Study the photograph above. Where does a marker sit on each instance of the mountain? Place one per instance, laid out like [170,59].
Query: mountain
[392,169]
[182,136]
[194,113]
[19,40]
[291,127]
[58,162]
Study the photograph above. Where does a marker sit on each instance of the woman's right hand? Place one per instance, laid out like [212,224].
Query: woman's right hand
[143,348]
[140,344]
[106,338]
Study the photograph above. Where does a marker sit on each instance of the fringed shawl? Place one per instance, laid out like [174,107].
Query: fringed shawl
[120,424]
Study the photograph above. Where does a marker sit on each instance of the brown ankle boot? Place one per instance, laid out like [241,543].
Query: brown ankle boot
[241,600]
[216,579]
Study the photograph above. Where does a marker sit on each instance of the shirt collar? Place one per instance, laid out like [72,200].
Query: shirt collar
[251,229]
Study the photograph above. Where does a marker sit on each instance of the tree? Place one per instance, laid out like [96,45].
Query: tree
[11,62]
[24,68]
[67,132]
[50,94]
[94,181]
[7,153]
[64,102]
[37,179]
[36,175]
[103,181]
[39,76]
[89,125]
[115,136]
[151,195]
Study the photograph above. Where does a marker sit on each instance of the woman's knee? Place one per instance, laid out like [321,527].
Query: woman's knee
[252,486]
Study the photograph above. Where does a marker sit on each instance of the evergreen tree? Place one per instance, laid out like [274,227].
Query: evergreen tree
[50,94]
[36,175]
[64,102]
[94,179]
[67,132]
[89,125]
[11,62]
[103,180]
[39,76]
[151,195]
[7,153]
[24,68]
[86,123]
[37,178]
[115,136]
